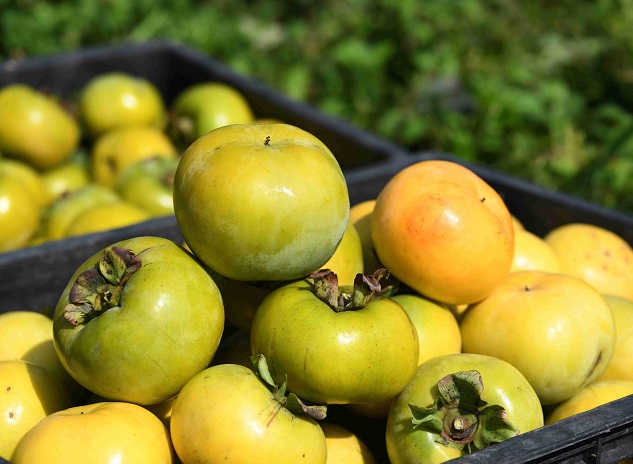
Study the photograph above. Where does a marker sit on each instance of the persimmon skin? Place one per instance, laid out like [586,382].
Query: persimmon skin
[443,231]
[595,255]
[556,329]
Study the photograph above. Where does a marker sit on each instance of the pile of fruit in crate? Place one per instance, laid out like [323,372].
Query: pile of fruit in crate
[101,160]
[429,307]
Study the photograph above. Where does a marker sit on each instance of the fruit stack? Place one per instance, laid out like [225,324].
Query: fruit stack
[294,323]
[105,160]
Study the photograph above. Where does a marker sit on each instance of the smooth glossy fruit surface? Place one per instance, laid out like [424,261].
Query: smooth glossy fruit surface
[365,351]
[261,202]
[29,394]
[35,128]
[443,231]
[226,413]
[62,213]
[29,177]
[103,433]
[621,365]
[593,395]
[19,213]
[114,100]
[28,336]
[556,329]
[137,320]
[438,330]
[118,149]
[106,217]
[531,252]
[344,447]
[67,177]
[596,255]
[149,184]
[347,260]
[203,107]
[360,215]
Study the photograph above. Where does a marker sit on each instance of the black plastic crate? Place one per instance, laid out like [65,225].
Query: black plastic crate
[172,68]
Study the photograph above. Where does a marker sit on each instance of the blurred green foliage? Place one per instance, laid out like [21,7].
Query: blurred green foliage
[541,90]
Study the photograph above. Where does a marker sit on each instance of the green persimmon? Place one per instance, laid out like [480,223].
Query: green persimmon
[459,403]
[35,127]
[149,184]
[230,413]
[261,202]
[138,320]
[203,107]
[336,346]
[116,100]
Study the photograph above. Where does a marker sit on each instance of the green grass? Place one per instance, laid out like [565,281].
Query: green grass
[540,90]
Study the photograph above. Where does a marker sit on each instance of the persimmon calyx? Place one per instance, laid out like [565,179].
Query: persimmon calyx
[99,288]
[291,401]
[366,289]
[460,417]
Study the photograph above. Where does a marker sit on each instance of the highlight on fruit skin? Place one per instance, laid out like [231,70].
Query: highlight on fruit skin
[114,100]
[35,127]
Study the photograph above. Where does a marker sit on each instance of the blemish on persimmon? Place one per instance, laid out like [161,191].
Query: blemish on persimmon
[593,368]
[111,163]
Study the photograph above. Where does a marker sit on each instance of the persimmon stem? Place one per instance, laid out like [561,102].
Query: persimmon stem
[291,401]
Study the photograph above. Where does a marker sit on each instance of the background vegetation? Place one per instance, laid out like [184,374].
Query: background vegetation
[541,90]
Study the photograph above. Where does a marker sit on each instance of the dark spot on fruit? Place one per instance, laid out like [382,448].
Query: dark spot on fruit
[8,389]
[482,199]
[267,142]
[527,288]
[10,414]
[111,163]
[593,368]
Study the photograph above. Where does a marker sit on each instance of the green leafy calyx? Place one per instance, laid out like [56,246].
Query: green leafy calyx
[366,289]
[99,288]
[291,401]
[460,417]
